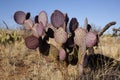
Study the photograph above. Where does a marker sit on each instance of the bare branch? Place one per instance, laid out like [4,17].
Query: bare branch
[105,28]
[5,24]
[115,29]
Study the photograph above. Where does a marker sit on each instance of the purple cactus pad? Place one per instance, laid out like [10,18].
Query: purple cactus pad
[57,18]
[19,17]
[62,54]
[38,29]
[31,42]
[42,17]
[91,39]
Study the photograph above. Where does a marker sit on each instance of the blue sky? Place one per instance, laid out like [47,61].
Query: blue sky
[98,12]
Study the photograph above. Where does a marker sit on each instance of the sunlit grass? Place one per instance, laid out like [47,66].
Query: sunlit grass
[20,63]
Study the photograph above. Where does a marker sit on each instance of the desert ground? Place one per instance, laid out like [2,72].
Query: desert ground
[17,62]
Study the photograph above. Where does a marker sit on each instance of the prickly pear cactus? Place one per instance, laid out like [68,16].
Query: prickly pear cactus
[79,39]
[60,36]
[80,35]
[73,25]
[28,24]
[85,23]
[91,39]
[32,42]
[38,29]
[62,54]
[57,18]
[42,17]
[19,17]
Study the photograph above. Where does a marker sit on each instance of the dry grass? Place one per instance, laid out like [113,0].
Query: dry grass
[109,46]
[19,63]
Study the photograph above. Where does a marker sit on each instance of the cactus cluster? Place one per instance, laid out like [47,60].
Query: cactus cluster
[68,40]
[7,37]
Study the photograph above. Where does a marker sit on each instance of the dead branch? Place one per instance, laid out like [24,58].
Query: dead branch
[115,29]
[5,24]
[116,32]
[105,28]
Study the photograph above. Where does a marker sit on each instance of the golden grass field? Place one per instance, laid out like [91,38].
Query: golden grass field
[17,62]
